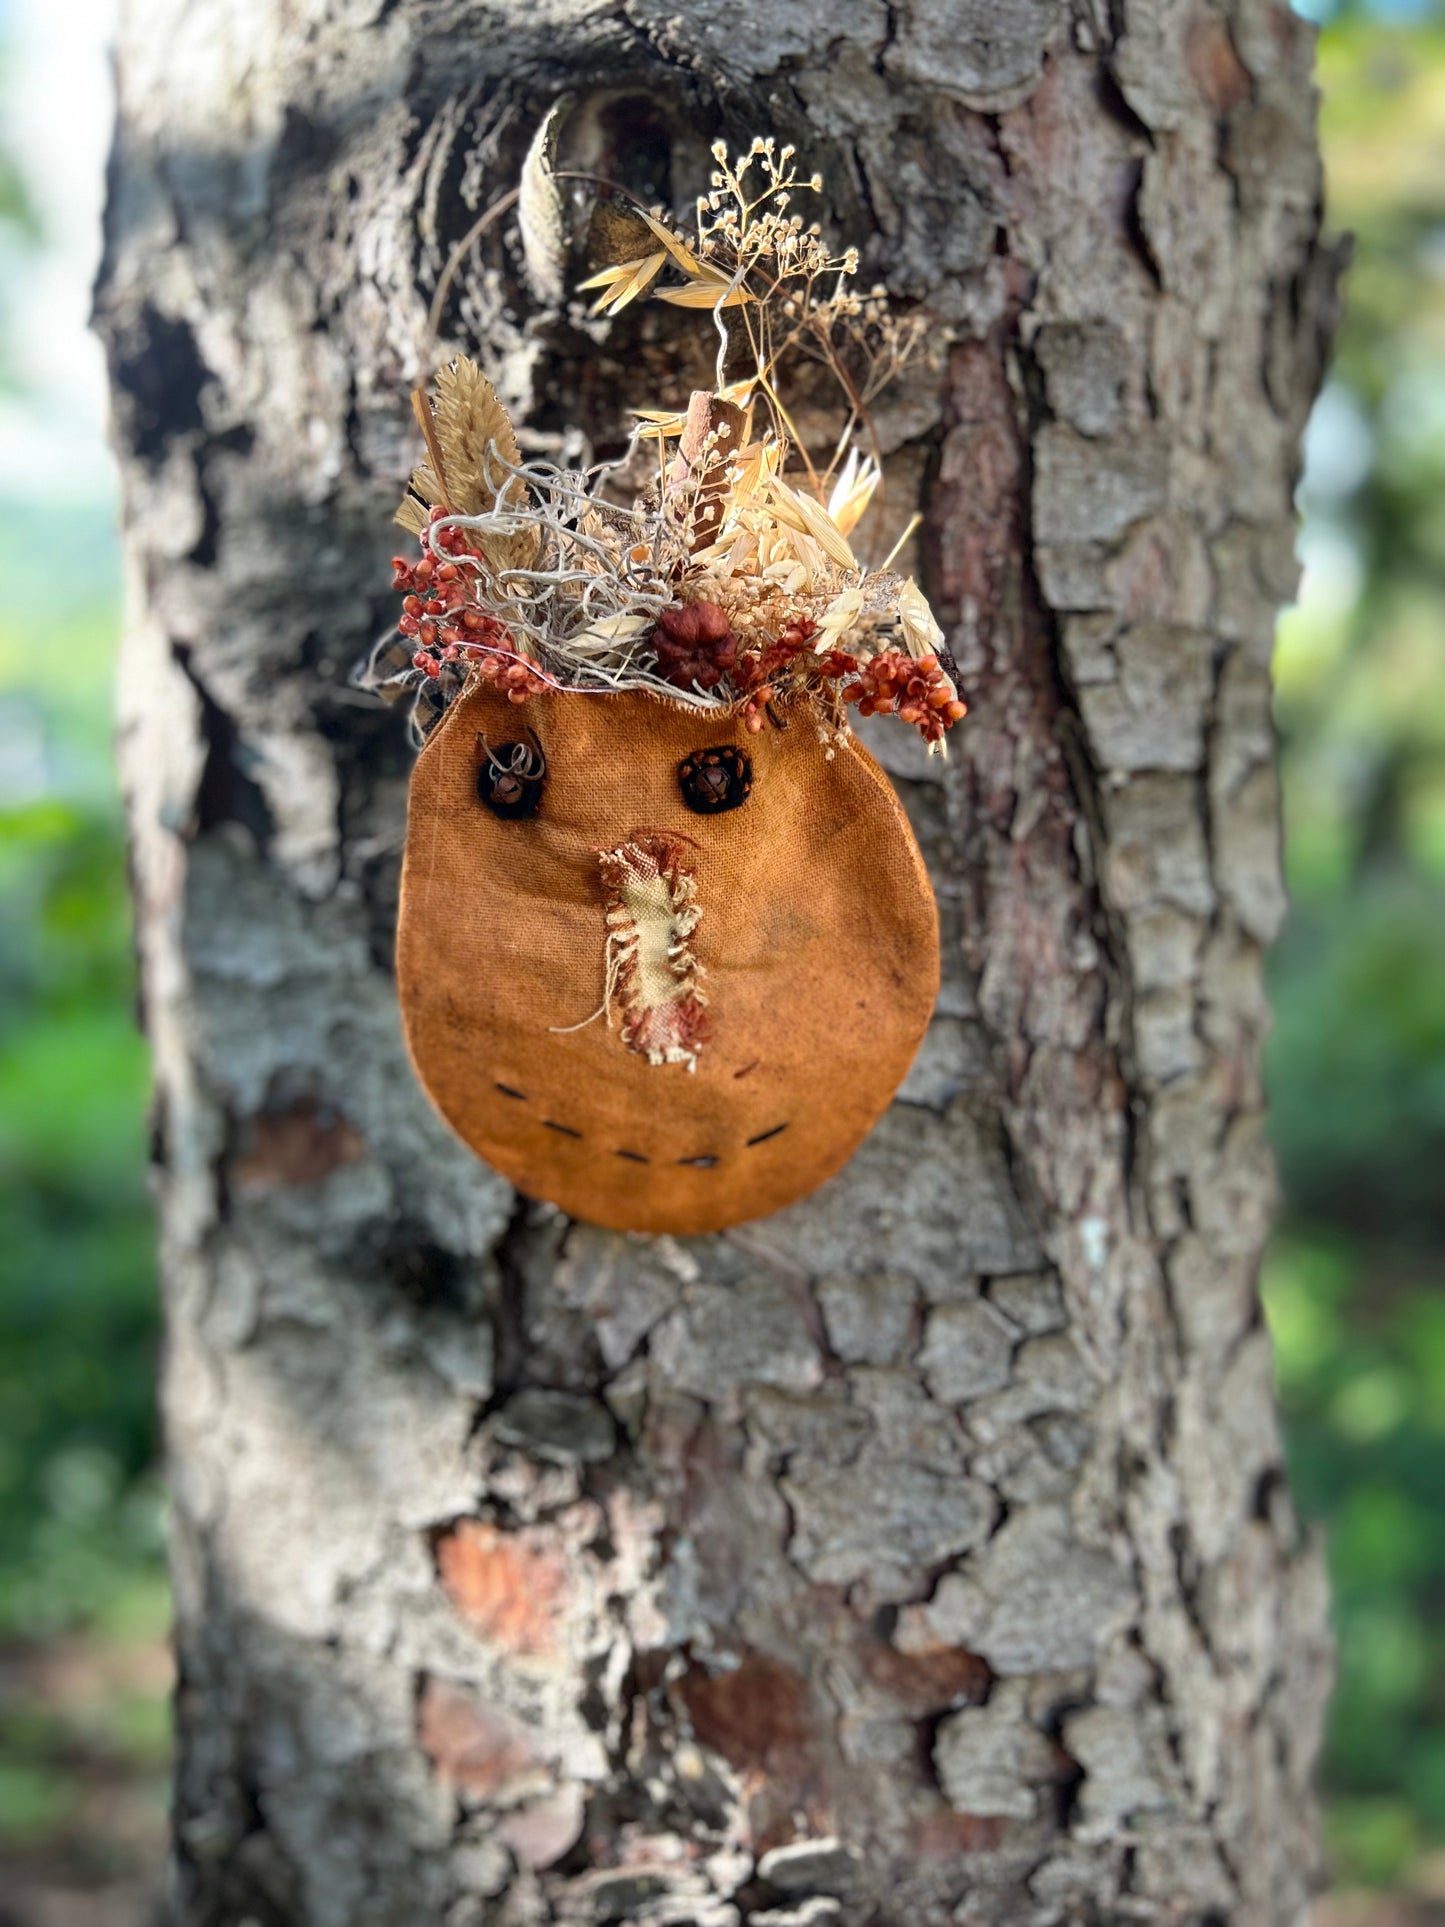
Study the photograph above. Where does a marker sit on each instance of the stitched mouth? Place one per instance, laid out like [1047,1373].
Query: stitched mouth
[700,1161]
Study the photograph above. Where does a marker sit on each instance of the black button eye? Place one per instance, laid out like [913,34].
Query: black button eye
[510,777]
[714,780]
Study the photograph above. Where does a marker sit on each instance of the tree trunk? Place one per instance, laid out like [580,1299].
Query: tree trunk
[922,1554]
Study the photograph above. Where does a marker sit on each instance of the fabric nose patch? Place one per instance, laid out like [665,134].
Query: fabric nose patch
[650,891]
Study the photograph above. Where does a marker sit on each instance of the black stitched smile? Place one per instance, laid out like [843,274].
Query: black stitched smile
[707,1161]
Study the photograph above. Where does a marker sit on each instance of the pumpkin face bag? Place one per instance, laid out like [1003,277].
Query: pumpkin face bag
[666,945]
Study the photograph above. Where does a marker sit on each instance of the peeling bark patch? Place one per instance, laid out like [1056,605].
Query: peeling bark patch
[1214,63]
[475,1748]
[507,1586]
[651,914]
[755,1714]
[301,1144]
[932,1682]
[939,1836]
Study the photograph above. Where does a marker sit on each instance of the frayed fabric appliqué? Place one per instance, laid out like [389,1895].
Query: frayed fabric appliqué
[651,914]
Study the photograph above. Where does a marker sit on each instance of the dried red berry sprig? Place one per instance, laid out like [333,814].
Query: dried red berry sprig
[439,612]
[513,675]
[786,665]
[778,656]
[915,689]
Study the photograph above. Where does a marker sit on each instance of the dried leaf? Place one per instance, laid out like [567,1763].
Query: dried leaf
[643,275]
[609,277]
[707,293]
[540,213]
[917,621]
[757,464]
[840,616]
[617,234]
[810,518]
[853,491]
[679,251]
[414,514]
[618,630]
[921,633]
[665,422]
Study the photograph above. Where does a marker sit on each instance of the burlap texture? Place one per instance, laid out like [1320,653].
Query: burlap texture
[818,938]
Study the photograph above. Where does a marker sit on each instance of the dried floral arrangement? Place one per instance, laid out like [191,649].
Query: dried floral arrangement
[730,583]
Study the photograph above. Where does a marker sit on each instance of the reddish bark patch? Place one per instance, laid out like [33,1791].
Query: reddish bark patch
[474,1747]
[300,1144]
[538,1835]
[930,1682]
[755,1715]
[975,516]
[507,1587]
[940,1834]
[758,1718]
[1218,72]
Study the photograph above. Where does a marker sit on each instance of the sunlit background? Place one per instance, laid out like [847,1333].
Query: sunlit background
[1356,1278]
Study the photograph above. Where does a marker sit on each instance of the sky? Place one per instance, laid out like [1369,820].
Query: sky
[56,112]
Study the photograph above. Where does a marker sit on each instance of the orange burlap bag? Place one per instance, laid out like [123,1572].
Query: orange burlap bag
[757,981]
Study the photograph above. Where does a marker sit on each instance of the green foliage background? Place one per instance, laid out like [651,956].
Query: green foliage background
[1355,1284]
[1357,1061]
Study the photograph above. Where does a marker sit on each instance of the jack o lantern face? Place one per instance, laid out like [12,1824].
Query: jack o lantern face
[656,970]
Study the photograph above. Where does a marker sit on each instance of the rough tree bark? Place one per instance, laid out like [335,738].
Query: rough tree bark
[923,1554]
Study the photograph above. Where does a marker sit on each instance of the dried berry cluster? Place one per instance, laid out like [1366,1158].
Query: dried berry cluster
[915,689]
[438,611]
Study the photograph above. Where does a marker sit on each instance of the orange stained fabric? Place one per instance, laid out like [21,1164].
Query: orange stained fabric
[817,939]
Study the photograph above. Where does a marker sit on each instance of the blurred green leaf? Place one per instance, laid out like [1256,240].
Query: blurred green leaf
[1376,1840]
[33,1802]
